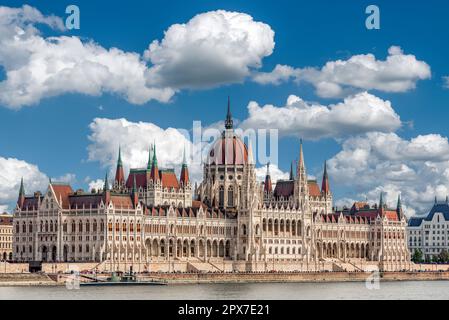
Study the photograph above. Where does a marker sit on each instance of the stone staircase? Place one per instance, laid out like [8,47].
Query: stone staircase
[343,266]
[201,266]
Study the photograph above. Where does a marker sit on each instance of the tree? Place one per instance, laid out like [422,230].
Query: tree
[417,256]
[443,256]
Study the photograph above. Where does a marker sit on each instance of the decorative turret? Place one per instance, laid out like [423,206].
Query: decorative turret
[184,179]
[119,173]
[229,123]
[106,190]
[21,199]
[325,188]
[268,187]
[154,167]
[399,208]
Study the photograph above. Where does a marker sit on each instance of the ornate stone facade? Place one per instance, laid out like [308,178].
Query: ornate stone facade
[230,219]
[5,237]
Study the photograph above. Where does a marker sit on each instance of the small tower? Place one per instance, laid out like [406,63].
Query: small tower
[119,173]
[21,199]
[184,179]
[268,187]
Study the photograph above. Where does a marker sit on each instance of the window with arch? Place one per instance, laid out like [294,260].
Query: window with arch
[230,196]
[221,196]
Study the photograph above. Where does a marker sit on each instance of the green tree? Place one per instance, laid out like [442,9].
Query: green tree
[443,256]
[417,256]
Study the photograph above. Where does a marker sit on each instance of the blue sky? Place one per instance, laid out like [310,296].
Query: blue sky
[53,133]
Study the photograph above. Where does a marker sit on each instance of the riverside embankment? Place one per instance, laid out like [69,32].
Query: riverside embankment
[223,278]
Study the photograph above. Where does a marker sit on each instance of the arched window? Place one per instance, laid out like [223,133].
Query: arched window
[244,229]
[230,197]
[221,197]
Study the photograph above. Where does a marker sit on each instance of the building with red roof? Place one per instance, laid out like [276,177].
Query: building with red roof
[152,217]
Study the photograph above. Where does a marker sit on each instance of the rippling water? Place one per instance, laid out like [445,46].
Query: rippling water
[286,291]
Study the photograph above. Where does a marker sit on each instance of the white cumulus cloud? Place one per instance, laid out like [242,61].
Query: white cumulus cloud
[356,114]
[417,168]
[398,73]
[11,172]
[211,49]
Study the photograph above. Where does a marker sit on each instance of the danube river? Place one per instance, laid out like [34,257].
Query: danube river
[260,291]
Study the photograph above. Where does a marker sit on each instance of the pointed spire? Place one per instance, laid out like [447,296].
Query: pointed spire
[301,168]
[154,167]
[250,152]
[119,161]
[119,173]
[154,155]
[399,208]
[301,154]
[436,200]
[381,201]
[184,157]
[22,188]
[106,183]
[292,177]
[268,187]
[184,179]
[325,188]
[150,155]
[229,123]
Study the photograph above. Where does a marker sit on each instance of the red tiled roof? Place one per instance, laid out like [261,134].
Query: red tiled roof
[87,200]
[314,189]
[169,180]
[284,189]
[122,201]
[198,204]
[62,192]
[141,179]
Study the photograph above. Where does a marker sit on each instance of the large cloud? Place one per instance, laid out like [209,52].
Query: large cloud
[38,67]
[375,162]
[213,48]
[356,114]
[398,73]
[135,139]
[11,172]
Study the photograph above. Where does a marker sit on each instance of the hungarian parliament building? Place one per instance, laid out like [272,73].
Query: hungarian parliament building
[152,220]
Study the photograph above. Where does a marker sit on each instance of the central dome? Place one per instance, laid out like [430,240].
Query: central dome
[228,151]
